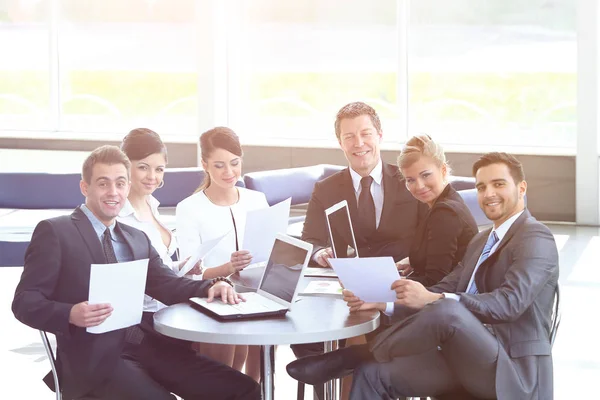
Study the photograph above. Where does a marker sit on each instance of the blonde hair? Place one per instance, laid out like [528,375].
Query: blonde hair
[422,146]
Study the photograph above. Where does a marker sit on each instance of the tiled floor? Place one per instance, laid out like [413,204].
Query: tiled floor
[576,356]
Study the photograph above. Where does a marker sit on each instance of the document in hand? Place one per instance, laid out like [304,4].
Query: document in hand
[122,285]
[262,226]
[369,278]
[202,252]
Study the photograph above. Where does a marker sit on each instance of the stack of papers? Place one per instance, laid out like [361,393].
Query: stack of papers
[320,272]
[323,289]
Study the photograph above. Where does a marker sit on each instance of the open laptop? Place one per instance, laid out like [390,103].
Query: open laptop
[278,286]
[338,216]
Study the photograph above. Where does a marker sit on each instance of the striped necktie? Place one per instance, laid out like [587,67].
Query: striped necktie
[109,250]
[492,240]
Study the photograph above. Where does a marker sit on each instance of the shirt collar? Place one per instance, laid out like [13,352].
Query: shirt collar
[376,174]
[99,227]
[128,209]
[502,229]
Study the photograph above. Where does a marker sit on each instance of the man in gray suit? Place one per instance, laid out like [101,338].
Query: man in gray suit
[484,329]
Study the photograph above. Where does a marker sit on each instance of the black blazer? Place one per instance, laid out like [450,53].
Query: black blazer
[399,217]
[56,277]
[442,238]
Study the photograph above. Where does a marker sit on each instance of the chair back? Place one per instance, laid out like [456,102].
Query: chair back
[52,360]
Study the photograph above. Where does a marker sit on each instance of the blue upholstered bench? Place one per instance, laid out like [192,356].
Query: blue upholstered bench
[27,198]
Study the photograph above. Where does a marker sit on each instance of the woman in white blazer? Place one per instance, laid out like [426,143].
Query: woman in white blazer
[218,209]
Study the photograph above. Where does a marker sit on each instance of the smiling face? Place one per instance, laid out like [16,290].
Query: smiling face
[360,141]
[223,167]
[499,196]
[107,191]
[147,174]
[425,180]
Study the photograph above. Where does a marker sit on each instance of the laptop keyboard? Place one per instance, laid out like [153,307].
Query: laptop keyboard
[256,303]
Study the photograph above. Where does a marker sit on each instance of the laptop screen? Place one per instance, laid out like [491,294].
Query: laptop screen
[283,270]
[340,225]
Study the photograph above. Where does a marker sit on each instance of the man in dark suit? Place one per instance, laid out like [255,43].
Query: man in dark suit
[384,214]
[132,363]
[483,329]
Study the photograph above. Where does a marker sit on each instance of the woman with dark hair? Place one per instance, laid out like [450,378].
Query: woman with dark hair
[218,209]
[148,156]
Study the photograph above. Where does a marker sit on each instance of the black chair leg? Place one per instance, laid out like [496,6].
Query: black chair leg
[300,395]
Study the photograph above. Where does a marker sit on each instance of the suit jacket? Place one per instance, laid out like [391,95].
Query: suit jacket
[399,217]
[517,284]
[442,238]
[56,277]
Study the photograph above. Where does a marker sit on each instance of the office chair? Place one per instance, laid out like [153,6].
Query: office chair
[52,360]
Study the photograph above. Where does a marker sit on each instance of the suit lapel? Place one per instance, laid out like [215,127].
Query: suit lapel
[507,237]
[391,181]
[135,250]
[89,236]
[471,262]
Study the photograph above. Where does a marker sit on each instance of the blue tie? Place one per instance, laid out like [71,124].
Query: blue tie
[492,240]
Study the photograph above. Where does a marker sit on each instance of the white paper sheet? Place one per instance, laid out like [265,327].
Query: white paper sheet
[204,249]
[369,278]
[320,272]
[122,285]
[261,227]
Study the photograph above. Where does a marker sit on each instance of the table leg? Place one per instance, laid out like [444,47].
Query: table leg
[267,371]
[331,387]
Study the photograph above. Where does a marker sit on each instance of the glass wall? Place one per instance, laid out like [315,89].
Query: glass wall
[302,61]
[494,72]
[479,72]
[24,65]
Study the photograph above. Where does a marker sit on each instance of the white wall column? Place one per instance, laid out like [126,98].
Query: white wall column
[211,53]
[402,87]
[588,113]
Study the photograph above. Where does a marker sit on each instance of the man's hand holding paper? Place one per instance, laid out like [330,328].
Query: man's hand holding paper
[356,304]
[370,279]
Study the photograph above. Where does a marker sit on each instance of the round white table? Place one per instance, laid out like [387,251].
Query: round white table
[312,319]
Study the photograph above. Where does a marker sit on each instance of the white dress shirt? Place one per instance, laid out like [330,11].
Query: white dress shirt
[376,188]
[198,219]
[129,216]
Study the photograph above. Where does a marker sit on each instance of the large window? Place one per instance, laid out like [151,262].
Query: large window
[129,63]
[24,65]
[471,72]
[302,61]
[494,72]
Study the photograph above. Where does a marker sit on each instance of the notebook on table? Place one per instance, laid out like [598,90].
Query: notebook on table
[278,285]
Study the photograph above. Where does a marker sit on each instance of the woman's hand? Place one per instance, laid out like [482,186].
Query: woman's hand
[196,269]
[240,260]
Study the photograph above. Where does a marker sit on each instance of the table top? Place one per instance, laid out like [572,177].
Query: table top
[312,319]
